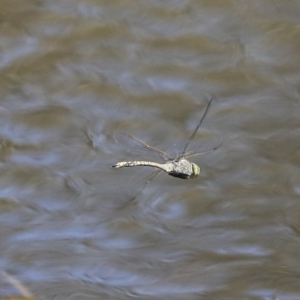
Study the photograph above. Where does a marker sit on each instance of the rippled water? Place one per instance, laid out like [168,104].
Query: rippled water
[73,73]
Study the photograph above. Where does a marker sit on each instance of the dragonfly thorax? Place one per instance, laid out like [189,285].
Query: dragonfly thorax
[182,169]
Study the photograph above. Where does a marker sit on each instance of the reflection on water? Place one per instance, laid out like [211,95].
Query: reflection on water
[73,74]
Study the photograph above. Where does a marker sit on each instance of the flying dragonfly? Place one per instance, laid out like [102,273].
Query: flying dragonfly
[178,166]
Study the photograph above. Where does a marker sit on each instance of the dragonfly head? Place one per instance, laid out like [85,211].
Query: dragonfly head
[196,170]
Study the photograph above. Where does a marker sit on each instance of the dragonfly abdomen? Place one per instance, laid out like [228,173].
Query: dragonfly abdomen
[123,164]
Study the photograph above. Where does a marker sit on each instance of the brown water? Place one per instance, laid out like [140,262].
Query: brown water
[73,73]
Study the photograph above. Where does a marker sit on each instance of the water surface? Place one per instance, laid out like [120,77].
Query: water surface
[75,73]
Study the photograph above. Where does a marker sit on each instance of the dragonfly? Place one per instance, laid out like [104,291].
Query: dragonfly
[178,166]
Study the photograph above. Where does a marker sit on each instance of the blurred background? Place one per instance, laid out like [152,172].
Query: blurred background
[74,73]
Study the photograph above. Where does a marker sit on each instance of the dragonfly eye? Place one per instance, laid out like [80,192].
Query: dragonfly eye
[196,170]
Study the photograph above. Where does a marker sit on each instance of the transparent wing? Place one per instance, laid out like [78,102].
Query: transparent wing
[185,148]
[135,146]
[204,146]
[128,183]
[110,189]
[204,143]
[197,153]
[153,176]
[138,184]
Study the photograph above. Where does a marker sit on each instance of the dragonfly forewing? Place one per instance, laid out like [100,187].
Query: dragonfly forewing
[209,147]
[192,136]
[135,146]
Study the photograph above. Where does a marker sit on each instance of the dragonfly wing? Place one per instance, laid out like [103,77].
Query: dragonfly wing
[153,176]
[135,146]
[209,147]
[128,188]
[196,129]
[138,185]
